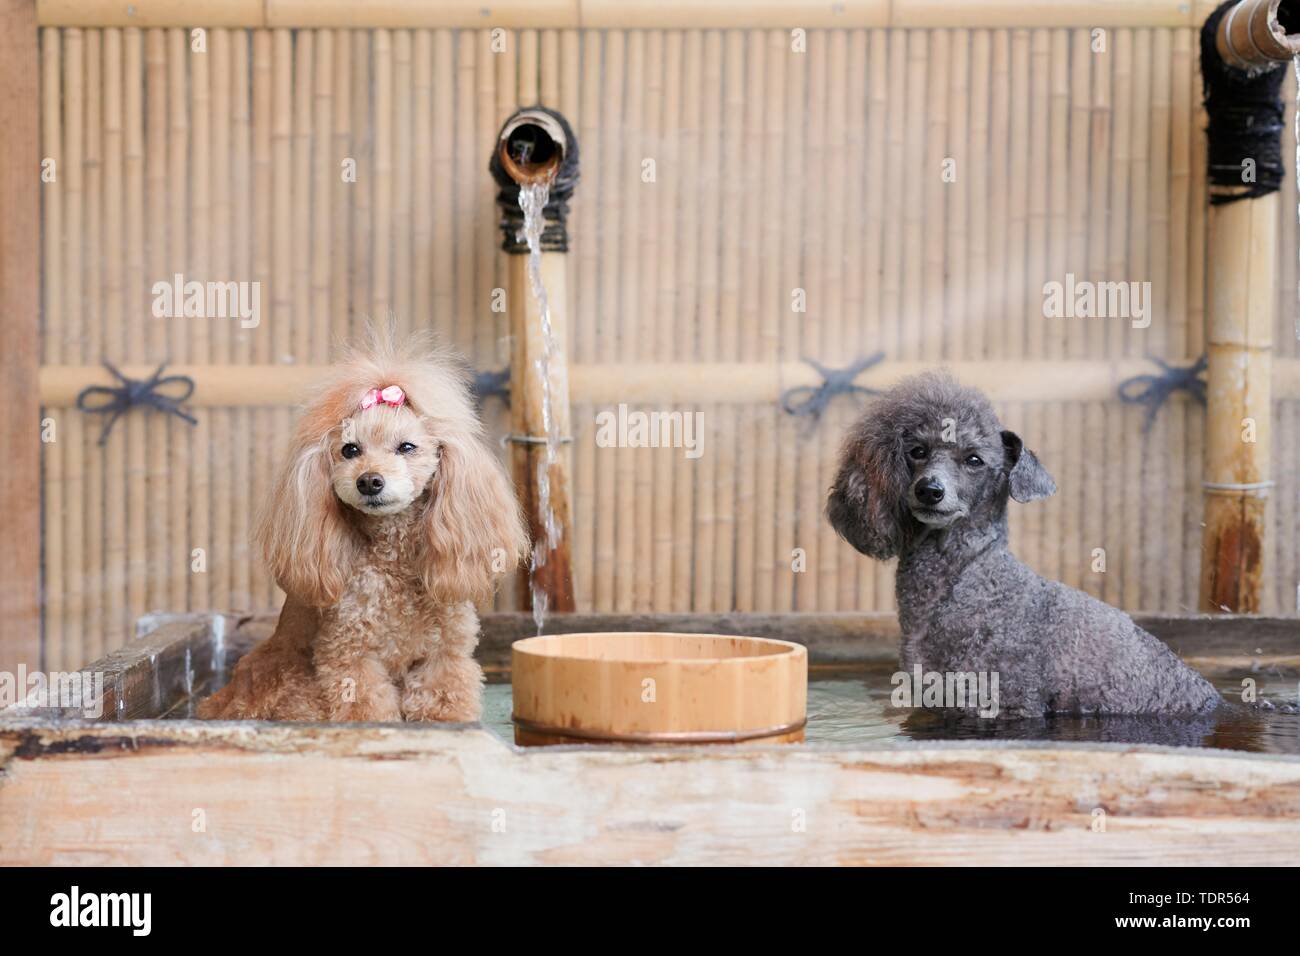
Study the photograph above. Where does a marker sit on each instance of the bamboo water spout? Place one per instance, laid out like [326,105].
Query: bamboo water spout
[535,160]
[1241,46]
[1258,34]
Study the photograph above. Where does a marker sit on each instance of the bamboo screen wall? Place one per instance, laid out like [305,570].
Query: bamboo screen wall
[774,171]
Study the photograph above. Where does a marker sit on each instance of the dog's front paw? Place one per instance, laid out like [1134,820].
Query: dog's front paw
[449,690]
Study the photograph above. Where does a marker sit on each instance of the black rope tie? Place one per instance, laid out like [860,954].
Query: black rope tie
[489,384]
[119,399]
[811,400]
[1156,389]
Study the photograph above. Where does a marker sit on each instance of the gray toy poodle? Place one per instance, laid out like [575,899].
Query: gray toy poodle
[925,475]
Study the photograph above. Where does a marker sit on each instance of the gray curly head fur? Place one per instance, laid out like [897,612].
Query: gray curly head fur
[926,475]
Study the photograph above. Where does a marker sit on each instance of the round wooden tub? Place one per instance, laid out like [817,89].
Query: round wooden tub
[655,688]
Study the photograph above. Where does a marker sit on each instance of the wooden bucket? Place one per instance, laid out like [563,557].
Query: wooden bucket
[657,688]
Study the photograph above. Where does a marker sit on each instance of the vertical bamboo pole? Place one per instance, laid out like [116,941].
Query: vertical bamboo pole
[1095,484]
[179,434]
[400,247]
[149,551]
[870,574]
[959,197]
[344,147]
[1177,599]
[73,432]
[1157,570]
[1074,555]
[20,304]
[201,241]
[363,91]
[222,331]
[381,235]
[52,350]
[811,495]
[1119,421]
[263,173]
[980,179]
[118,513]
[324,173]
[748,348]
[829,432]
[773,296]
[664,66]
[1035,522]
[90,645]
[132,341]
[688,266]
[1242,273]
[444,184]
[998,301]
[629,182]
[610,156]
[587,245]
[789,322]
[466,158]
[1024,522]
[282,235]
[241,188]
[1055,516]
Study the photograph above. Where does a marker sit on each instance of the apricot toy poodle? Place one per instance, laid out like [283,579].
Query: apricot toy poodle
[389,518]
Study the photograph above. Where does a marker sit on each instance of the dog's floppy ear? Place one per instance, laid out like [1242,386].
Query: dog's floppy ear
[1028,480]
[306,541]
[865,503]
[473,531]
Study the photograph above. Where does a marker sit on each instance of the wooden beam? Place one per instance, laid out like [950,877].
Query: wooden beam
[20,269]
[625,14]
[737,383]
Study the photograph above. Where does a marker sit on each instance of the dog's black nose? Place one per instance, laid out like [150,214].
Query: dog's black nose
[929,491]
[372,483]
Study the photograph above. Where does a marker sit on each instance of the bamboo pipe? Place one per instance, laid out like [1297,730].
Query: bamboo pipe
[1240,308]
[1239,322]
[1257,34]
[537,146]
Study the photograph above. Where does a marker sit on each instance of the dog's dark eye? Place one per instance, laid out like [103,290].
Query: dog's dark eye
[405,448]
[350,450]
[974,460]
[917,453]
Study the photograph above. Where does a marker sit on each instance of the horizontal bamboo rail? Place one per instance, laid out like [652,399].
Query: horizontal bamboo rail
[244,386]
[624,14]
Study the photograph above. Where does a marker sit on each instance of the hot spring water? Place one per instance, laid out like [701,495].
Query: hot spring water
[532,200]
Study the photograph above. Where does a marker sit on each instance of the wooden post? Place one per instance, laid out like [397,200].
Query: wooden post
[20,260]
[1243,45]
[538,146]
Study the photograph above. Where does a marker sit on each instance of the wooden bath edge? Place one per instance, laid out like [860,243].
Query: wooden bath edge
[178,792]
[198,792]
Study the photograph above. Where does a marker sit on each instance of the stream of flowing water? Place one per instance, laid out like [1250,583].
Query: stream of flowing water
[1295,65]
[532,200]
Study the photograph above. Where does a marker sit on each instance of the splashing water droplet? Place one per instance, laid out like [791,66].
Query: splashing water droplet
[532,200]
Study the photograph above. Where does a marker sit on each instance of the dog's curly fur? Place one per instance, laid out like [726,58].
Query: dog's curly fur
[964,602]
[379,622]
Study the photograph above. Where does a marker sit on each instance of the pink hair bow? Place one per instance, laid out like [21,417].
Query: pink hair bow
[392,395]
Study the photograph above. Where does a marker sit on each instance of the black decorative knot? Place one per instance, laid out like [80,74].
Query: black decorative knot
[810,401]
[119,399]
[488,384]
[1156,389]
